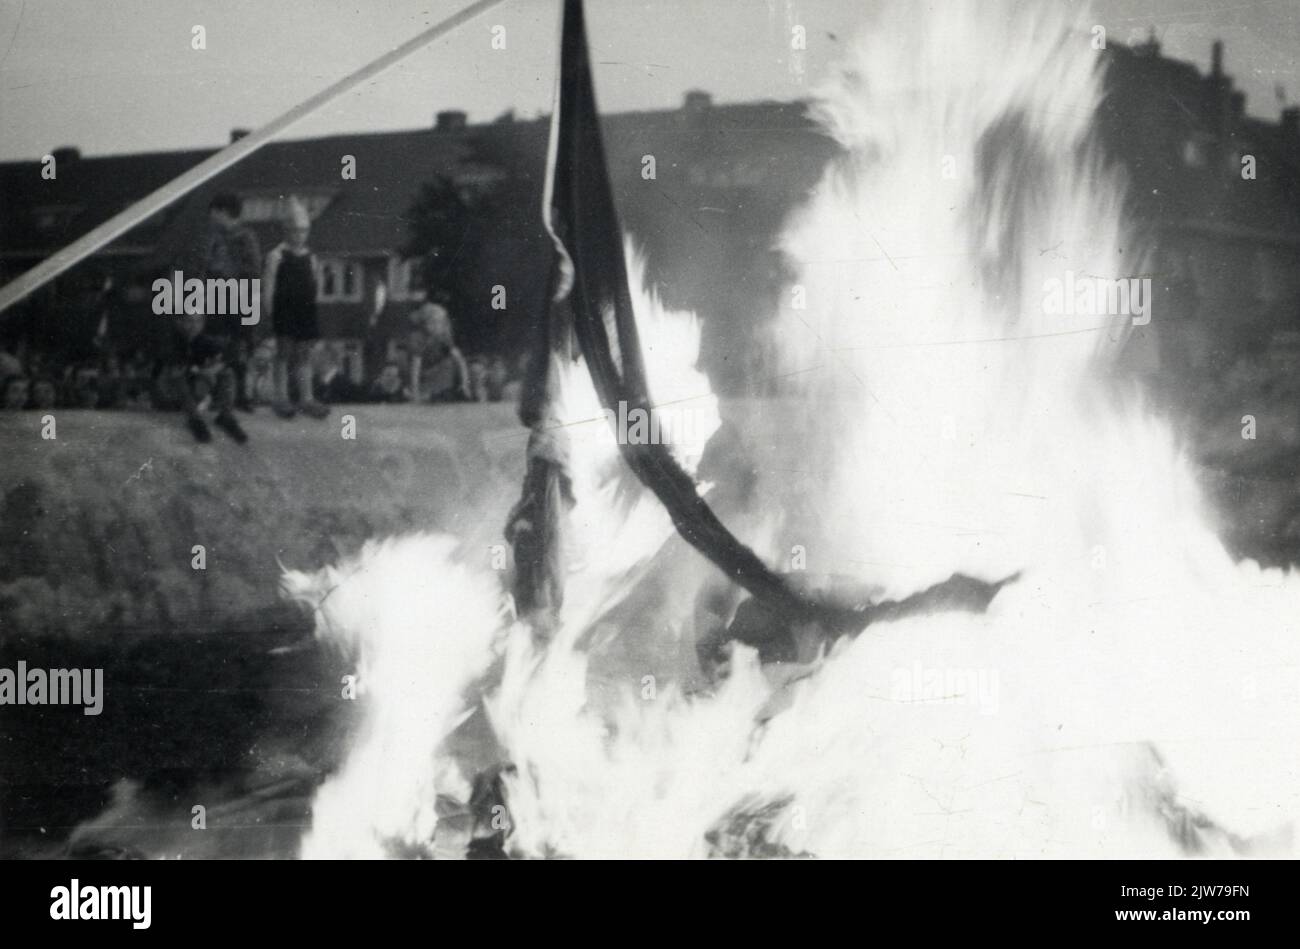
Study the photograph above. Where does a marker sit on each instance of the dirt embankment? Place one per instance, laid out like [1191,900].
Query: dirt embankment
[99,525]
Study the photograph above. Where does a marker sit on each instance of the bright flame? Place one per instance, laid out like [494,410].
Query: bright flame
[1132,693]
[421,626]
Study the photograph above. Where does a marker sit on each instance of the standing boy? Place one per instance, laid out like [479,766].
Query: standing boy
[289,285]
[231,251]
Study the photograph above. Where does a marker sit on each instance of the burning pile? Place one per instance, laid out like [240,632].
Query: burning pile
[1133,692]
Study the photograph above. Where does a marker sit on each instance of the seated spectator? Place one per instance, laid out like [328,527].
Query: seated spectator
[45,395]
[496,379]
[15,392]
[387,386]
[331,384]
[197,378]
[478,379]
[10,364]
[39,365]
[261,372]
[438,372]
[83,387]
[445,379]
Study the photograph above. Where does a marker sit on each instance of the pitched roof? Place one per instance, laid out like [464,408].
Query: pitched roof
[1154,104]
[38,216]
[366,214]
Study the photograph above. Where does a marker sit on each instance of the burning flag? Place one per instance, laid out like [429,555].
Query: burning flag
[1133,692]
[583,222]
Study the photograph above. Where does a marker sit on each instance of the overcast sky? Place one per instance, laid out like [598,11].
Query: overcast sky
[115,76]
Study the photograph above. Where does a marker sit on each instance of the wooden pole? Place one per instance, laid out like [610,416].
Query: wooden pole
[120,223]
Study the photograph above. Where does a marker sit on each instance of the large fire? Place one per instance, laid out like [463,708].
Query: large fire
[1131,693]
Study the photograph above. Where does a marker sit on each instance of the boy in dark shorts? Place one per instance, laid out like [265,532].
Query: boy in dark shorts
[289,284]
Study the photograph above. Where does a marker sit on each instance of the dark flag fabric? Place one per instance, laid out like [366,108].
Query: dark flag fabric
[584,222]
[592,280]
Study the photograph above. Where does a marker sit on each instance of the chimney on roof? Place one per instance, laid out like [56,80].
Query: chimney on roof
[237,134]
[1151,48]
[450,119]
[1222,107]
[697,100]
[65,154]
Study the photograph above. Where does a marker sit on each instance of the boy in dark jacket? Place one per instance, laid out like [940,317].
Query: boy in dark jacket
[231,251]
[196,378]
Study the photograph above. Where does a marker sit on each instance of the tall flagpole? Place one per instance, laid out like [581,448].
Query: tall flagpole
[120,223]
[536,524]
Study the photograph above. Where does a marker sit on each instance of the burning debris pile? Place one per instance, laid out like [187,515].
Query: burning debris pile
[1132,692]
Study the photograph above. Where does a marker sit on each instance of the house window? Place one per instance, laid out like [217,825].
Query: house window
[275,207]
[340,281]
[258,209]
[404,279]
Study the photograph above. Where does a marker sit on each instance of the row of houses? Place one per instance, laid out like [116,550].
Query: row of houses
[1216,192]
[724,178]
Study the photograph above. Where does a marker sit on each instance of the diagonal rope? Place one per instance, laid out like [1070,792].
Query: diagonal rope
[151,204]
